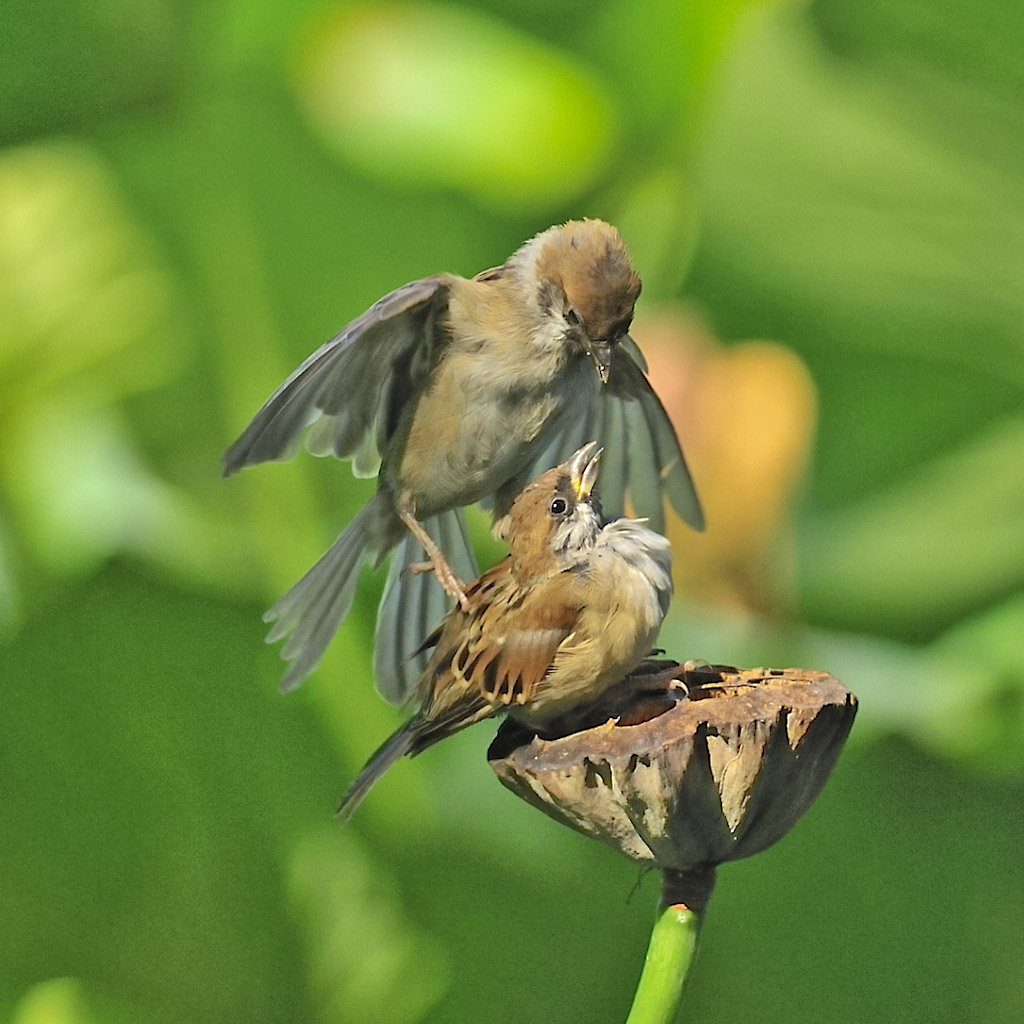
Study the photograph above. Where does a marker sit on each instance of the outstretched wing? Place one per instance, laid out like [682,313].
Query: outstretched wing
[653,464]
[354,387]
[642,457]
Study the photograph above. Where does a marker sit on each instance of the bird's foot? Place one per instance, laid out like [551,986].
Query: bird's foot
[437,563]
[451,583]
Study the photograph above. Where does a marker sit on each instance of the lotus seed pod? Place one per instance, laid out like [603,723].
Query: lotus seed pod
[684,767]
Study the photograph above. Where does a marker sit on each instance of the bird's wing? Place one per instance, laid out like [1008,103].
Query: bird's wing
[509,643]
[583,421]
[653,465]
[354,386]
[642,457]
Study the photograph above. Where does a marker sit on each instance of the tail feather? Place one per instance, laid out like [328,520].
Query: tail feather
[390,751]
[412,605]
[313,609]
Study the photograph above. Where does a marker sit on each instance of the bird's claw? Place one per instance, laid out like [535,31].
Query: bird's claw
[450,583]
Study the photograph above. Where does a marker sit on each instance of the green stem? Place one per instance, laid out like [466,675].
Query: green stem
[672,947]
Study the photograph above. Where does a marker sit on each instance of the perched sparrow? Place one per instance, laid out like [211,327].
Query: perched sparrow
[460,391]
[574,608]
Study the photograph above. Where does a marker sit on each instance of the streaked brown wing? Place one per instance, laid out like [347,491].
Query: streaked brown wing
[355,384]
[509,646]
[440,687]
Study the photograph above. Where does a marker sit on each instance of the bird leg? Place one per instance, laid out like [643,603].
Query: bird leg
[437,562]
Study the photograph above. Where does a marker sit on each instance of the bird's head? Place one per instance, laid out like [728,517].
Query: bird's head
[557,517]
[585,279]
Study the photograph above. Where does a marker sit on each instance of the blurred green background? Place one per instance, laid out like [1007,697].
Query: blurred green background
[826,202]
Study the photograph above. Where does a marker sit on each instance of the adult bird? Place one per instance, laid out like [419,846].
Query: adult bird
[455,391]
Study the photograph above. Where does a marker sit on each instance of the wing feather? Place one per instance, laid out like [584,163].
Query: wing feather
[356,382]
[652,438]
[642,454]
[614,462]
[512,641]
[644,482]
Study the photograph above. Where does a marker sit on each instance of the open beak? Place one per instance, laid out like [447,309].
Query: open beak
[600,353]
[583,470]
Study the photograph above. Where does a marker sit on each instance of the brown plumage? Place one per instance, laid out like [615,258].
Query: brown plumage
[573,609]
[461,391]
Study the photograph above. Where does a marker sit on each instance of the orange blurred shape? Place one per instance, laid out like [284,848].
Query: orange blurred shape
[746,416]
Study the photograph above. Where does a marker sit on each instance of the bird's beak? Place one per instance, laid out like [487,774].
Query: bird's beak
[600,353]
[583,470]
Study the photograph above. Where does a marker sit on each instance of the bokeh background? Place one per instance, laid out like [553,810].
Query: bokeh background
[826,202]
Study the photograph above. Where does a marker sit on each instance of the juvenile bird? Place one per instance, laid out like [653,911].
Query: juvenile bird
[460,391]
[570,612]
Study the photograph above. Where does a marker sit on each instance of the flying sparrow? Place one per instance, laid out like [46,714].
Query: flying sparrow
[455,391]
[572,610]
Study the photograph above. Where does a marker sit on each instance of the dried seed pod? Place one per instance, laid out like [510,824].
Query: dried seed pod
[686,782]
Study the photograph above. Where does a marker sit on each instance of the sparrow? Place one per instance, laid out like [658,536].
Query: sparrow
[571,611]
[454,391]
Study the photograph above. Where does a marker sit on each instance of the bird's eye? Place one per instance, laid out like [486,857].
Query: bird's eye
[558,506]
[572,318]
